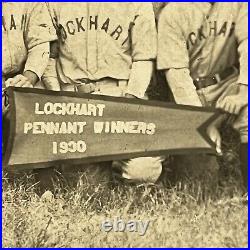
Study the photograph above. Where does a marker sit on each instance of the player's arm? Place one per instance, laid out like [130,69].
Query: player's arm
[237,96]
[139,79]
[40,32]
[182,87]
[173,57]
[37,35]
[50,78]
[143,42]
[32,71]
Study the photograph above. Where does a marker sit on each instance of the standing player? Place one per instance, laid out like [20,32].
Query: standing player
[108,49]
[199,46]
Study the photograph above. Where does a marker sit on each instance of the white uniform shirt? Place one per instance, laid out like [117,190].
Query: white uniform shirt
[25,26]
[204,38]
[99,40]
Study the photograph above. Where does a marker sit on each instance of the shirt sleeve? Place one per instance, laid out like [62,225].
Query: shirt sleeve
[38,58]
[143,32]
[141,73]
[39,28]
[172,47]
[241,31]
[182,87]
[38,33]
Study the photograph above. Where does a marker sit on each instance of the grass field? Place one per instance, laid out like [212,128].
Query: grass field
[180,216]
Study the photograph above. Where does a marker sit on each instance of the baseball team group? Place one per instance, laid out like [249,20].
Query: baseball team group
[114,49]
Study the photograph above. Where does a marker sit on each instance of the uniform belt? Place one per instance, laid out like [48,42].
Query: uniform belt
[203,82]
[89,86]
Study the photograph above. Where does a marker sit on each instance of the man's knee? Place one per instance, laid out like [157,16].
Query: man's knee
[142,169]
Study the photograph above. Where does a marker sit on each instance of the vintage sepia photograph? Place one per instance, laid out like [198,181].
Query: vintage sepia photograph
[124,124]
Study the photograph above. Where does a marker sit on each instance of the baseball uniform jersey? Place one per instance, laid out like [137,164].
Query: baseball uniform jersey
[25,27]
[203,37]
[99,40]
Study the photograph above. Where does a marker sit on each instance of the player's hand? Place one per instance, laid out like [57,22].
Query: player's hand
[214,134]
[235,100]
[19,81]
